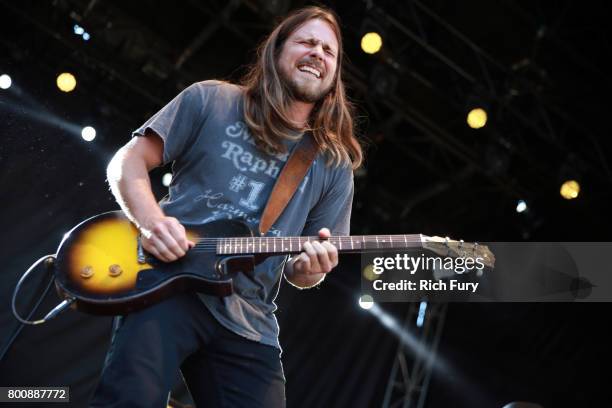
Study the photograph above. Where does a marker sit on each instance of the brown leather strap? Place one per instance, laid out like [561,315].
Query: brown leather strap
[288,181]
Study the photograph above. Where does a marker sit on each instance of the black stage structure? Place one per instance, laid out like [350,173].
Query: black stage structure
[541,70]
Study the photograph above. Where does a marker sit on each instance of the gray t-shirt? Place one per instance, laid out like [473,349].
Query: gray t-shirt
[219,173]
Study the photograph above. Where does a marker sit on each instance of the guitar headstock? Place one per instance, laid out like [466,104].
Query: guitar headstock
[459,249]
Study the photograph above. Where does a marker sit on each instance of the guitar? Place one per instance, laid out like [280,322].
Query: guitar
[101,267]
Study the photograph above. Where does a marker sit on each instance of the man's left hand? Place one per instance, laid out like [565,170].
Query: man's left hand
[316,259]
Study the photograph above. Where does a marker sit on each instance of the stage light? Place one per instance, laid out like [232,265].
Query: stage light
[5,81]
[570,189]
[521,206]
[88,133]
[371,43]
[78,30]
[66,82]
[366,302]
[421,315]
[86,36]
[167,179]
[368,273]
[477,118]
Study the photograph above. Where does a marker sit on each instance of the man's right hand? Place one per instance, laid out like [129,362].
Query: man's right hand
[165,238]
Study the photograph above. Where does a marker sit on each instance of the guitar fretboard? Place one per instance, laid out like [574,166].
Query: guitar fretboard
[293,245]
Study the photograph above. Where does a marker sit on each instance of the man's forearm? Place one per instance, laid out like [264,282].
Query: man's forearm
[130,184]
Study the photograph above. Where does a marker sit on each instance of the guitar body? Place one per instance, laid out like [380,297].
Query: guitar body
[100,265]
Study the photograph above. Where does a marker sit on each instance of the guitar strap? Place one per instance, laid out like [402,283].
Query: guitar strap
[288,180]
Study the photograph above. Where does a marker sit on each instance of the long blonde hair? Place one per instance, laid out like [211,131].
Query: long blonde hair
[267,97]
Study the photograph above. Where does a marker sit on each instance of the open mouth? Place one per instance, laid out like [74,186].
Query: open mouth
[309,69]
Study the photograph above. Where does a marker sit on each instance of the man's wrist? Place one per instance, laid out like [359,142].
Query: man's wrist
[301,280]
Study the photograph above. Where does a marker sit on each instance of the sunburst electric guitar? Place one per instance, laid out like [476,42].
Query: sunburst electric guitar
[101,267]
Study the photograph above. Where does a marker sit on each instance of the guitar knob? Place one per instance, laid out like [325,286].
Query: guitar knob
[87,272]
[114,270]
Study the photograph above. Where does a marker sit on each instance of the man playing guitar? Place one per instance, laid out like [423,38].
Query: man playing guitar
[228,143]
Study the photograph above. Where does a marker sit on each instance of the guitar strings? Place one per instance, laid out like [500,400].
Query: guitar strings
[238,245]
[385,238]
[232,244]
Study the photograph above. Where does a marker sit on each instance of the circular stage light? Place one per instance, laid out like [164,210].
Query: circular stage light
[66,82]
[371,43]
[570,189]
[366,302]
[5,81]
[477,118]
[88,133]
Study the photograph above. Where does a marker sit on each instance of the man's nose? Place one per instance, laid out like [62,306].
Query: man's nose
[317,52]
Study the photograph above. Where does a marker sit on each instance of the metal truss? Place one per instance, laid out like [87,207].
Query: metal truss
[411,372]
[499,83]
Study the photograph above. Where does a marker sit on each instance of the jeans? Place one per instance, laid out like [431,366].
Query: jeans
[220,368]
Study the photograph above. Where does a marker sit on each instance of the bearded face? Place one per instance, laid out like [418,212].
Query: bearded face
[308,61]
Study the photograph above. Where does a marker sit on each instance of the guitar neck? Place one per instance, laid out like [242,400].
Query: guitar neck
[293,245]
